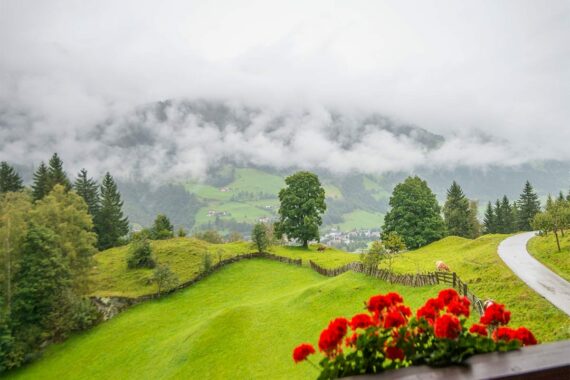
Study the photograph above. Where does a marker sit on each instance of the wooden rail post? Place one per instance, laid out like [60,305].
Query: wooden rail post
[454,280]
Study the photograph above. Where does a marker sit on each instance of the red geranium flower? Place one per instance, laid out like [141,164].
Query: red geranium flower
[459,306]
[377,303]
[435,303]
[447,326]
[429,311]
[496,314]
[360,321]
[301,352]
[394,353]
[394,319]
[394,298]
[525,336]
[504,333]
[447,295]
[333,334]
[478,329]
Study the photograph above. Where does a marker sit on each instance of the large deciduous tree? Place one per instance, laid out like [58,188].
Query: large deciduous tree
[10,180]
[302,204]
[415,214]
[66,214]
[14,217]
[110,223]
[456,212]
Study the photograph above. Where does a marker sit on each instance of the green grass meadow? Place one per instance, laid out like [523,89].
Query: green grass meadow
[242,322]
[545,250]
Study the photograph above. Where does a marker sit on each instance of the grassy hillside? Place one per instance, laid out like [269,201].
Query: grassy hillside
[360,219]
[545,250]
[478,264]
[110,276]
[240,323]
[476,261]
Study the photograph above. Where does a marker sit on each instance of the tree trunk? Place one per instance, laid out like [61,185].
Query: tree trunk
[557,241]
[305,244]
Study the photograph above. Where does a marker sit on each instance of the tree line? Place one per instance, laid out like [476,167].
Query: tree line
[49,234]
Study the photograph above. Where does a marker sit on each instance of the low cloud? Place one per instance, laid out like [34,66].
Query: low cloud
[492,78]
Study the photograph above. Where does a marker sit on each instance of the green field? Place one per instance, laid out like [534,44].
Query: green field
[545,250]
[378,192]
[360,219]
[110,276]
[478,264]
[242,322]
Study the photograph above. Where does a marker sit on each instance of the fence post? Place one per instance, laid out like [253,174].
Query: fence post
[454,279]
[464,289]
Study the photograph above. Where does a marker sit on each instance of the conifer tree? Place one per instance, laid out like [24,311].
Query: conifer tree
[456,212]
[474,224]
[162,228]
[40,187]
[10,180]
[56,174]
[110,223]
[490,220]
[506,217]
[529,206]
[87,188]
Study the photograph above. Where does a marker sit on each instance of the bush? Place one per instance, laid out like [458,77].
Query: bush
[206,262]
[211,236]
[182,232]
[389,337]
[140,254]
[260,238]
[374,256]
[164,278]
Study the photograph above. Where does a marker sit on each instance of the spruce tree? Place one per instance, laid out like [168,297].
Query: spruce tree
[10,180]
[162,228]
[529,206]
[40,187]
[56,174]
[490,220]
[456,212]
[87,188]
[507,216]
[110,223]
[499,217]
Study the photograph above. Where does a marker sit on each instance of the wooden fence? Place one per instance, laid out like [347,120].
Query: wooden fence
[418,279]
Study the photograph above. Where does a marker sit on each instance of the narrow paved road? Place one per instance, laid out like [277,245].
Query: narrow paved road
[545,282]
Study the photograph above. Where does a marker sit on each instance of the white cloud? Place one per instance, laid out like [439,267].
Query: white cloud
[501,69]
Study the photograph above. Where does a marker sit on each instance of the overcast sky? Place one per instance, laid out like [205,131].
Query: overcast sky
[493,77]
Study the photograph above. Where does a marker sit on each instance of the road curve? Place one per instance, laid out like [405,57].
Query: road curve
[548,284]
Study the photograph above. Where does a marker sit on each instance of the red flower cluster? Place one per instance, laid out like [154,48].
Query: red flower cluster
[447,326]
[496,314]
[361,321]
[387,330]
[301,352]
[332,335]
[447,299]
[507,334]
[377,304]
[478,329]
